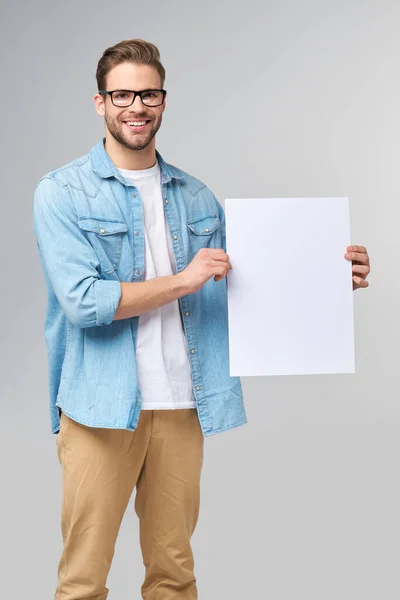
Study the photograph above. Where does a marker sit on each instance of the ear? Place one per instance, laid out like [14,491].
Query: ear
[99,104]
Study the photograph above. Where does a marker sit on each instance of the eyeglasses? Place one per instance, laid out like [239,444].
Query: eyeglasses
[124,98]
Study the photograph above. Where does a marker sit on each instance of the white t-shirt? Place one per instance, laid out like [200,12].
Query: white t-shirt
[163,366]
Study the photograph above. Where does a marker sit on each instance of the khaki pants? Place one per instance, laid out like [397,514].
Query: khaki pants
[163,458]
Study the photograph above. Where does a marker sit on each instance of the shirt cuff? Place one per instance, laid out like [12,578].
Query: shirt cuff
[107,295]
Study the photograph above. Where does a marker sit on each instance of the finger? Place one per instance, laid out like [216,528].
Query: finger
[221,273]
[362,269]
[218,263]
[360,282]
[213,251]
[356,249]
[216,260]
[358,256]
[220,259]
[219,277]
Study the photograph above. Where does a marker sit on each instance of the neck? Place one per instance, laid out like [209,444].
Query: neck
[124,158]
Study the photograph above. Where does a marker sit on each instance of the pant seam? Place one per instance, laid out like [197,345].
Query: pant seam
[63,449]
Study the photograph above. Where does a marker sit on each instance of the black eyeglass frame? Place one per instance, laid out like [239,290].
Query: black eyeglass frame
[110,93]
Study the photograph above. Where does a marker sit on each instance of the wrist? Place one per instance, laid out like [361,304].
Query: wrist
[182,284]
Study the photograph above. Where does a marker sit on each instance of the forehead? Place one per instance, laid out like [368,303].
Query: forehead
[132,76]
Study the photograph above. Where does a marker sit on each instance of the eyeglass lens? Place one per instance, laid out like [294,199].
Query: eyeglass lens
[149,98]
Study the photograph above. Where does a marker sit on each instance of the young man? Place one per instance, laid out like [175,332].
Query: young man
[133,253]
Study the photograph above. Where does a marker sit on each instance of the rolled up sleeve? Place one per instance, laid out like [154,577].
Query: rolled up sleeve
[69,262]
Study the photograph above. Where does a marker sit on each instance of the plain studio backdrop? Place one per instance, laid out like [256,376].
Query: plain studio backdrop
[282,98]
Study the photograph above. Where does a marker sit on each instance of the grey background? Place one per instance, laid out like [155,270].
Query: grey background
[292,98]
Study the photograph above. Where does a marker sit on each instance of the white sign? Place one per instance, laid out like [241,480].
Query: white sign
[290,296]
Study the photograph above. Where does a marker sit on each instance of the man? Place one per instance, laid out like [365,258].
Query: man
[133,253]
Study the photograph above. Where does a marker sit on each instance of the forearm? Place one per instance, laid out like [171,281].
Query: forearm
[139,298]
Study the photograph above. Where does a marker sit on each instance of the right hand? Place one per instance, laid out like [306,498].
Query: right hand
[208,262]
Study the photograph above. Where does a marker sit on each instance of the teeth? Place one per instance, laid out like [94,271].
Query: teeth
[136,123]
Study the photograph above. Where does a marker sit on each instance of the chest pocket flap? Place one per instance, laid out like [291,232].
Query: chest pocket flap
[205,225]
[102,226]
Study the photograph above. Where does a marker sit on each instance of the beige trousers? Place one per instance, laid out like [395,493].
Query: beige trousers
[163,458]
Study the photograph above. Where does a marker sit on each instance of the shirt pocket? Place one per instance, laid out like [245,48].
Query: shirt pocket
[204,233]
[106,237]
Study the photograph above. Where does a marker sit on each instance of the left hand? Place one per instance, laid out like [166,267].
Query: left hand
[361,266]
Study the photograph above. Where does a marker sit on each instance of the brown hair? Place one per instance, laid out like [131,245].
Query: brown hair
[137,51]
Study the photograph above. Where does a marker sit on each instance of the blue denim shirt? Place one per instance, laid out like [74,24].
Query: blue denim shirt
[88,222]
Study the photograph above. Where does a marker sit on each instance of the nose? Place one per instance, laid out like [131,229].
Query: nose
[138,105]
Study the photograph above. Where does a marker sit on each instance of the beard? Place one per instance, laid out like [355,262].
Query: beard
[140,141]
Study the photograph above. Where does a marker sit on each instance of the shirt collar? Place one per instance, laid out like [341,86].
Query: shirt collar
[104,166]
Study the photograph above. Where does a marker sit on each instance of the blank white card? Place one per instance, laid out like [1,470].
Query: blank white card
[290,297]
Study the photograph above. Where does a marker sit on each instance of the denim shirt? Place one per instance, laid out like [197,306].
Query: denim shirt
[89,228]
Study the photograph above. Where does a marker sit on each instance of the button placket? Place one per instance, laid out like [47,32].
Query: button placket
[193,358]
[138,237]
[185,303]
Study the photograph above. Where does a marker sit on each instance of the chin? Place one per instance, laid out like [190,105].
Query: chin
[139,147]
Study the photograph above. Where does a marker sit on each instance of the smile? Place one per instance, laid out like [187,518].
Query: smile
[136,124]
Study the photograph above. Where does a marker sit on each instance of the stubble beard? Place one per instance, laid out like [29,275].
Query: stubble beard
[141,142]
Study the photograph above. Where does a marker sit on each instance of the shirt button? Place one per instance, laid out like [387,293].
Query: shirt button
[138,272]
[137,232]
[186,314]
[206,229]
[134,195]
[197,387]
[166,202]
[102,230]
[192,351]
[175,237]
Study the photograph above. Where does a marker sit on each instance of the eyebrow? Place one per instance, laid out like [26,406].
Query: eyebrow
[127,90]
